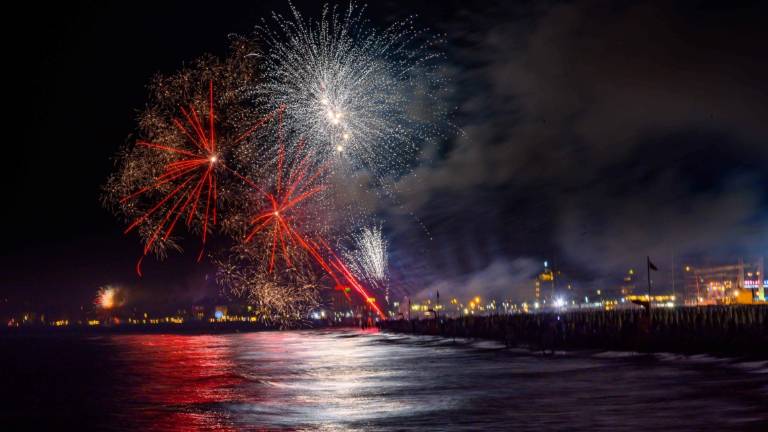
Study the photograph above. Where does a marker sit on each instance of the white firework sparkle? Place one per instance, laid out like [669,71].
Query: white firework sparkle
[355,93]
[369,259]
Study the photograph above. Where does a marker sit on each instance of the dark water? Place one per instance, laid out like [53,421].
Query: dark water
[351,380]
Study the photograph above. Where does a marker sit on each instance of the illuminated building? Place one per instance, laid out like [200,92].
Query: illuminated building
[546,279]
[629,284]
[743,282]
[198,312]
[220,312]
[551,286]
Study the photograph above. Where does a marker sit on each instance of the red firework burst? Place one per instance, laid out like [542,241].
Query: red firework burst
[280,219]
[191,177]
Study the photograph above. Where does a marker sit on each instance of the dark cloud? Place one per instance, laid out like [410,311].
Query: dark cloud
[598,133]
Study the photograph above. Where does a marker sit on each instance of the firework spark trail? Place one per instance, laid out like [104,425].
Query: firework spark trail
[369,259]
[350,278]
[195,165]
[352,90]
[282,212]
[192,170]
[285,300]
[300,186]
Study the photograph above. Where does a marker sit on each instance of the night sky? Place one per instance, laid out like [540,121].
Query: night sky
[591,135]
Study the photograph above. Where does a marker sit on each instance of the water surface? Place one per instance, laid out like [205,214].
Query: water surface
[354,380]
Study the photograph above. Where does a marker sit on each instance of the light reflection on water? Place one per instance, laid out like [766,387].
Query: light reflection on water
[353,380]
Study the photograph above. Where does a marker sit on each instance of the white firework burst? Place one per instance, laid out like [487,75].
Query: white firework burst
[369,258]
[356,94]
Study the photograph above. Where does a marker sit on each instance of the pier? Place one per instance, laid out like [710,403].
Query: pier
[728,330]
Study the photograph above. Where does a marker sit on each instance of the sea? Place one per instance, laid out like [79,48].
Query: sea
[363,380]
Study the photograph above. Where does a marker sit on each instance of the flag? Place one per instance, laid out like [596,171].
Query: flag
[651,265]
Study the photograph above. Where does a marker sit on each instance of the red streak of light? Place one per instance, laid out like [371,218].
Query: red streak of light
[138,266]
[259,124]
[356,285]
[275,215]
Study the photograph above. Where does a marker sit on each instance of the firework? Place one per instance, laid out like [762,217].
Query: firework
[284,298]
[109,297]
[368,261]
[212,155]
[293,187]
[191,154]
[353,92]
[280,227]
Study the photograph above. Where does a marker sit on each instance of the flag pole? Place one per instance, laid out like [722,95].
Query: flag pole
[648,268]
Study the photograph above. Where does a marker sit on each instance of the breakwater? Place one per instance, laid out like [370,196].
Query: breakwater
[727,330]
